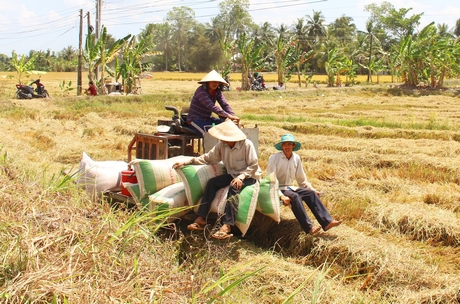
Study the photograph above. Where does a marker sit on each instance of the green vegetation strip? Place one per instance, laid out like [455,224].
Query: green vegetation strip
[300,125]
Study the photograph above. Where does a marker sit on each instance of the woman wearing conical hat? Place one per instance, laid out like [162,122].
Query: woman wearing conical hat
[203,104]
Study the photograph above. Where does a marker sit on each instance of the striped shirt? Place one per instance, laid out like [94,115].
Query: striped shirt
[203,105]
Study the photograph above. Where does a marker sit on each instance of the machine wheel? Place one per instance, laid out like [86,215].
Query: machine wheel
[22,95]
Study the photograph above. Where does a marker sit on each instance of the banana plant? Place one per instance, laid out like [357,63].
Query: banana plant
[334,65]
[22,66]
[134,54]
[227,45]
[288,54]
[97,55]
[284,53]
[405,62]
[108,55]
[250,58]
[349,68]
[438,56]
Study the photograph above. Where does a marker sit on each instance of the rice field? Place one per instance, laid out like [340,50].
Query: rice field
[386,157]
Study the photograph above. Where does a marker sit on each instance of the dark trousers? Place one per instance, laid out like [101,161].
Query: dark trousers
[214,185]
[313,202]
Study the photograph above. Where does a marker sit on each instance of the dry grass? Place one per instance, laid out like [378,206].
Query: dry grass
[386,157]
[418,221]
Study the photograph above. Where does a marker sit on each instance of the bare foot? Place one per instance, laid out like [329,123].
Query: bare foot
[314,230]
[333,224]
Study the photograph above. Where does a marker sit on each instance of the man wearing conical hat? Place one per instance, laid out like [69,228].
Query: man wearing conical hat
[240,160]
[203,104]
[287,166]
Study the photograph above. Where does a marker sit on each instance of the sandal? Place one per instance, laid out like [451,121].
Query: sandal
[220,235]
[195,227]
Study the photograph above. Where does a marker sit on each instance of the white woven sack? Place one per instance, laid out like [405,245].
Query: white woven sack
[133,189]
[100,176]
[247,204]
[154,175]
[218,203]
[172,196]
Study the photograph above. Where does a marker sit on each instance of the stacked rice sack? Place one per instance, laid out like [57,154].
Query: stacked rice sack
[268,202]
[177,191]
[159,187]
[96,177]
[170,202]
[262,196]
[195,179]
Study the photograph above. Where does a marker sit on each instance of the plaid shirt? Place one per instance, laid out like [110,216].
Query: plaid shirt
[203,105]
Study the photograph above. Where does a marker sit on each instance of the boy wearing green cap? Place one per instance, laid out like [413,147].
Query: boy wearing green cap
[287,166]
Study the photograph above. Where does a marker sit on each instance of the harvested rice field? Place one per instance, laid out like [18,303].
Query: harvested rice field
[386,157]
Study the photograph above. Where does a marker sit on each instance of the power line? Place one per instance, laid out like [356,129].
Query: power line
[120,13]
[126,12]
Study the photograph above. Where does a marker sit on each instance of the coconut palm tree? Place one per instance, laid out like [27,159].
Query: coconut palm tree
[457,28]
[163,36]
[369,29]
[68,53]
[443,30]
[221,33]
[300,32]
[181,20]
[316,29]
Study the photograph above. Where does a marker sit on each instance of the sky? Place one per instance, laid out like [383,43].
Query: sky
[54,24]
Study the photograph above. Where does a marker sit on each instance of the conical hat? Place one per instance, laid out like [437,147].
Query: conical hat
[227,131]
[213,76]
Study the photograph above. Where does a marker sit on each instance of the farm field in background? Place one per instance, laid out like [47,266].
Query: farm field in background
[271,77]
[387,159]
[52,81]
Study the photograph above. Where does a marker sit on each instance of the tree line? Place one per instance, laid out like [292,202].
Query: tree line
[232,42]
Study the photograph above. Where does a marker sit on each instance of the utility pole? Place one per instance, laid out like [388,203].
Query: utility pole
[98,18]
[90,27]
[98,26]
[79,84]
